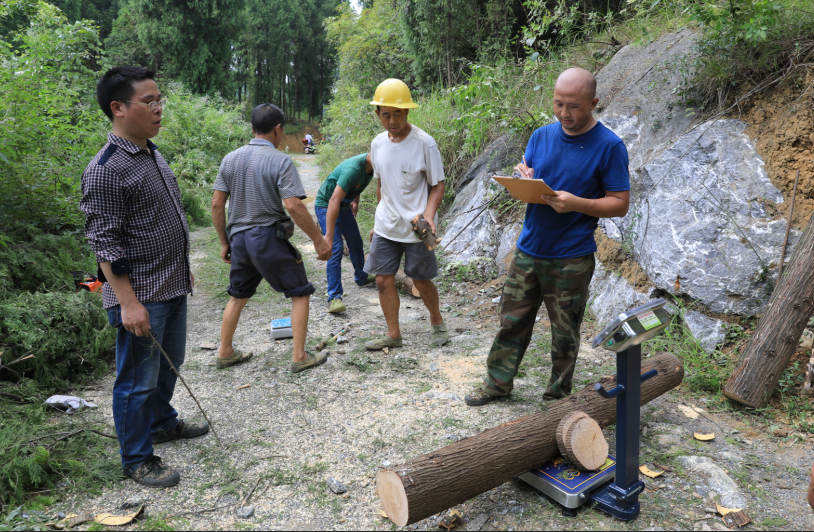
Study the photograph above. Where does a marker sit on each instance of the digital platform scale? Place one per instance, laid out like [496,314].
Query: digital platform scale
[615,487]
[281,328]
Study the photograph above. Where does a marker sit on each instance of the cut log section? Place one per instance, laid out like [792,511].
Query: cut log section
[765,357]
[406,284]
[562,429]
[423,231]
[585,445]
[454,474]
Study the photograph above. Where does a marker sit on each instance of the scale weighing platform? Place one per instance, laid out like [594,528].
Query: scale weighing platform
[615,487]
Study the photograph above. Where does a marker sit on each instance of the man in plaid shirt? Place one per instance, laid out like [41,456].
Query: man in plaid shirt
[136,226]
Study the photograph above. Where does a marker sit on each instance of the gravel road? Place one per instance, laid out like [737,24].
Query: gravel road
[363,411]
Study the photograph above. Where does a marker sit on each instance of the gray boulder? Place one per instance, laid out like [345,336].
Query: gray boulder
[709,332]
[706,220]
[474,226]
[498,154]
[508,242]
[715,479]
[611,294]
[479,240]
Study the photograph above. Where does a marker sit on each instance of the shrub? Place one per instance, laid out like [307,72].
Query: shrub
[67,333]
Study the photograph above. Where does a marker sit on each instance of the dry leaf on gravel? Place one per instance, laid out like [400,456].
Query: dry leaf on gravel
[649,472]
[703,437]
[117,520]
[243,387]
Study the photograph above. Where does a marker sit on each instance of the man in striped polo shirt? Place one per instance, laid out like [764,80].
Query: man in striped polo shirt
[261,183]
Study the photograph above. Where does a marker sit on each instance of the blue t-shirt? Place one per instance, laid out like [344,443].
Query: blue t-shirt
[585,165]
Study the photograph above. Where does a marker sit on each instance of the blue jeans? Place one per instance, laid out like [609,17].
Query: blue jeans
[144,381]
[345,227]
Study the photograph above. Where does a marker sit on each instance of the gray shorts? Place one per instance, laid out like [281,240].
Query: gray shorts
[385,257]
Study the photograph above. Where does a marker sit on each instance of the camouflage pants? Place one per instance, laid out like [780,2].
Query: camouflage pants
[562,284]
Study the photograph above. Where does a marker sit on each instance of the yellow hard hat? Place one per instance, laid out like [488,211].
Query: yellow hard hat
[393,93]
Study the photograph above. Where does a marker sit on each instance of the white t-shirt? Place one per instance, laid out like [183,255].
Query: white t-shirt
[308,137]
[407,170]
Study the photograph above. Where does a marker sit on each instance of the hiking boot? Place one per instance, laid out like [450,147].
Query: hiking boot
[237,357]
[155,475]
[182,430]
[309,362]
[370,281]
[477,397]
[439,335]
[335,306]
[382,342]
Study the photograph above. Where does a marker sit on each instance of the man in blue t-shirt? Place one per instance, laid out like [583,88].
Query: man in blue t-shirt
[586,165]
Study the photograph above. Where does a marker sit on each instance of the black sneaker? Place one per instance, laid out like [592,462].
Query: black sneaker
[477,397]
[155,475]
[182,430]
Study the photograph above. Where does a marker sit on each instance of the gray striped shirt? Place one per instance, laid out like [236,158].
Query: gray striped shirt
[257,178]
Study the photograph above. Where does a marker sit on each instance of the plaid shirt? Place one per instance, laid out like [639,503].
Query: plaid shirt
[134,219]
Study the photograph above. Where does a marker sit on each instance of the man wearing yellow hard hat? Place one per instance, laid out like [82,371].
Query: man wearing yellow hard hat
[410,181]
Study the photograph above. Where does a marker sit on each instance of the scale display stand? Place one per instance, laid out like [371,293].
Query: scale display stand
[615,487]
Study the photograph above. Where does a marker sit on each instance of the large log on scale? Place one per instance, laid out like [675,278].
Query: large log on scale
[771,347]
[441,479]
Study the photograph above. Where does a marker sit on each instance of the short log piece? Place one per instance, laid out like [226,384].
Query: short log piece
[585,445]
[454,474]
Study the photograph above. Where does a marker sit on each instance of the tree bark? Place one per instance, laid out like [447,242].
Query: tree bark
[452,475]
[775,340]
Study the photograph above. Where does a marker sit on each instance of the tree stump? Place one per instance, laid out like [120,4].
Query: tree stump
[454,474]
[775,340]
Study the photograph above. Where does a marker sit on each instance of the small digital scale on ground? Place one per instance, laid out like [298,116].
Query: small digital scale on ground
[615,487]
[281,329]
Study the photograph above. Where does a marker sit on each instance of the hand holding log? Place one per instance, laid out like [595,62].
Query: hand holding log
[423,231]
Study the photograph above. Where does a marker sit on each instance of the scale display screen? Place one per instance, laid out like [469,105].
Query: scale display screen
[565,476]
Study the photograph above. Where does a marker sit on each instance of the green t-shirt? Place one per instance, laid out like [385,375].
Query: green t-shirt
[351,176]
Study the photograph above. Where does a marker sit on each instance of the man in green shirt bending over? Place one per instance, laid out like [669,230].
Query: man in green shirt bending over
[336,206]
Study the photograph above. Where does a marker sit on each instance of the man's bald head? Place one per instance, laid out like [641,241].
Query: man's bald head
[576,80]
[574,100]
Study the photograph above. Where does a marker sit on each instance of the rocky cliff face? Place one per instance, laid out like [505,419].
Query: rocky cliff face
[699,196]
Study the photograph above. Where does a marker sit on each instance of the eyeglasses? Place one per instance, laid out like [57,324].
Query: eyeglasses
[155,104]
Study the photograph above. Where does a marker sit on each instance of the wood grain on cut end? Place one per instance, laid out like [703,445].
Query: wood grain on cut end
[565,425]
[585,444]
[393,497]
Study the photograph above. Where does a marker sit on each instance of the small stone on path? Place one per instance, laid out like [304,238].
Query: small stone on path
[245,512]
[209,346]
[133,502]
[342,340]
[336,486]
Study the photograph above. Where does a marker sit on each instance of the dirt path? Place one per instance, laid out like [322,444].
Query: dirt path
[366,410]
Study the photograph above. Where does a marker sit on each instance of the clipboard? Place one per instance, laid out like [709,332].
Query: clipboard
[528,190]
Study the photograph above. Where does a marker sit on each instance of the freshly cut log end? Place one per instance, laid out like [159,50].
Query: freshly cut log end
[393,497]
[562,429]
[585,445]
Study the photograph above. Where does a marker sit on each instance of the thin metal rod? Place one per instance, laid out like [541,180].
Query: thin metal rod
[788,228]
[178,374]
